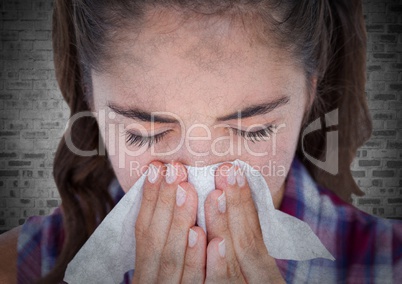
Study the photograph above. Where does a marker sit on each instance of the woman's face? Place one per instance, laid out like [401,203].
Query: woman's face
[202,83]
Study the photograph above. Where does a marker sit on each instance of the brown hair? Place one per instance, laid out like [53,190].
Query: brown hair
[327,37]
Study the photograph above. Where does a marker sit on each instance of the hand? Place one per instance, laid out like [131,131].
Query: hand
[236,251]
[167,250]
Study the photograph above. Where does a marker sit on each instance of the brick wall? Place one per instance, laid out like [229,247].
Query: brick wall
[378,165]
[32,112]
[33,115]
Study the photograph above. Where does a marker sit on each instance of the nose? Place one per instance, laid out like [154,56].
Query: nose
[200,149]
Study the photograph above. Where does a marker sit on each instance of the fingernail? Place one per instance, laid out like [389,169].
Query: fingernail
[180,196]
[222,203]
[192,238]
[222,248]
[171,173]
[231,176]
[241,180]
[152,173]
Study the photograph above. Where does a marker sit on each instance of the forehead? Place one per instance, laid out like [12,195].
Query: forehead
[205,58]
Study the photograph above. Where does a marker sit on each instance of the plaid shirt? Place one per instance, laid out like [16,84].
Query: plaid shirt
[367,249]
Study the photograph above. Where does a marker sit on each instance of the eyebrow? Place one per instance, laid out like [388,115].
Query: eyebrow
[250,111]
[255,110]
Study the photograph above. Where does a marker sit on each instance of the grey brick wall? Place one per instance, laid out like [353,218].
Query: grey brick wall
[378,165]
[33,114]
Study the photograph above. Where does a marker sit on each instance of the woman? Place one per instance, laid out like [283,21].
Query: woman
[247,71]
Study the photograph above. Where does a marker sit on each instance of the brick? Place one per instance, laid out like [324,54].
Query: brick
[34,134]
[391,124]
[19,124]
[48,104]
[29,193]
[33,114]
[395,28]
[45,144]
[9,15]
[383,115]
[9,173]
[18,5]
[394,145]
[396,66]
[19,163]
[369,201]
[37,55]
[45,183]
[12,212]
[42,45]
[50,125]
[33,15]
[9,36]
[43,25]
[19,45]
[9,134]
[8,155]
[384,97]
[388,38]
[395,87]
[394,164]
[34,156]
[9,54]
[19,203]
[377,191]
[19,85]
[384,133]
[383,174]
[378,211]
[375,105]
[9,114]
[34,95]
[374,68]
[42,65]
[394,48]
[394,200]
[358,173]
[395,8]
[369,163]
[384,56]
[17,64]
[375,28]
[44,85]
[43,5]
[52,203]
[33,75]
[22,144]
[21,104]
[378,124]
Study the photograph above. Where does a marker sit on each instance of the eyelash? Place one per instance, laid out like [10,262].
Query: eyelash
[253,136]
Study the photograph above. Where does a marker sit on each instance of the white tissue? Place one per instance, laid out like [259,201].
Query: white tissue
[110,251]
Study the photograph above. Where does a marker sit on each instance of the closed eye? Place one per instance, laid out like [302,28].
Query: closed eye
[253,136]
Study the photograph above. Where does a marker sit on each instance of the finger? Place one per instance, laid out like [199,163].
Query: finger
[184,216]
[250,211]
[246,236]
[163,214]
[217,228]
[157,232]
[219,265]
[195,259]
[216,263]
[149,197]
